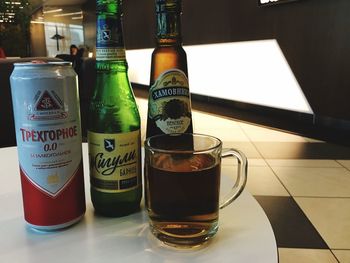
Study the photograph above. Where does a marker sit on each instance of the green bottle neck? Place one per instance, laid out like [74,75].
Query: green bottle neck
[112,84]
[110,48]
[168,16]
[111,66]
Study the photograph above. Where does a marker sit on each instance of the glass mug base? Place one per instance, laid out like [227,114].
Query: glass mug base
[184,234]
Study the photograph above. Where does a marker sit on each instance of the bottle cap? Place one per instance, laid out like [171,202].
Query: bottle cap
[163,6]
[109,6]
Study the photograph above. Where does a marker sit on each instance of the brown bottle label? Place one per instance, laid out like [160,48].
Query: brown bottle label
[169,102]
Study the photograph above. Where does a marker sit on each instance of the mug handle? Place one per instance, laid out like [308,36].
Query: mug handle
[241,180]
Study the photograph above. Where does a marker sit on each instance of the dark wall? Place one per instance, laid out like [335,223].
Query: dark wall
[89,23]
[38,43]
[314,36]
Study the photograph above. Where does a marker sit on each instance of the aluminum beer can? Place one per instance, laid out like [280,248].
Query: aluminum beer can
[49,141]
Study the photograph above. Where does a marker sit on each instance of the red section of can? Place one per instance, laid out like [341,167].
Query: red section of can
[49,142]
[44,212]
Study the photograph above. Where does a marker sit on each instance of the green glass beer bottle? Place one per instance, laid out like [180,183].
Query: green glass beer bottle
[169,102]
[114,121]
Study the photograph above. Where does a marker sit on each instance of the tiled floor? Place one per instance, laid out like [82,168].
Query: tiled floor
[302,184]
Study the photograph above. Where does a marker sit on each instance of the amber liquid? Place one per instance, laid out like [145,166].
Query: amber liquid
[182,197]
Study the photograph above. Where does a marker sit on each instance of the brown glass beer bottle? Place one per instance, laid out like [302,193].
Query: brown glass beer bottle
[169,102]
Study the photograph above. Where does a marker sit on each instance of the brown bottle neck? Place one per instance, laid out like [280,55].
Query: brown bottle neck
[168,28]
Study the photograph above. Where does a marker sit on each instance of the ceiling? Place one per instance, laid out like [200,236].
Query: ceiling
[37,3]
[63,2]
[70,11]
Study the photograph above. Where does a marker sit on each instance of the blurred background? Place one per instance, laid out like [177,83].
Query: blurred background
[286,62]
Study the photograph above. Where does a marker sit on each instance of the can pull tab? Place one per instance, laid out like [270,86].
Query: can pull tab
[38,62]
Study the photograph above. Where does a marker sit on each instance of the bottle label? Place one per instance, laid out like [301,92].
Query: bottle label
[115,161]
[169,102]
[109,39]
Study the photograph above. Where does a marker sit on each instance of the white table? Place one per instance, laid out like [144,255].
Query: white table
[245,234]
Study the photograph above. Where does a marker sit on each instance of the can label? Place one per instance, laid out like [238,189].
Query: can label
[169,102]
[50,150]
[115,161]
[48,133]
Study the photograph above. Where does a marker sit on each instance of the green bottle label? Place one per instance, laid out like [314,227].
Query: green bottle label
[114,161]
[109,39]
[169,102]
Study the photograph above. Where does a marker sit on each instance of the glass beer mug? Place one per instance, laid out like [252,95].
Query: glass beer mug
[182,185]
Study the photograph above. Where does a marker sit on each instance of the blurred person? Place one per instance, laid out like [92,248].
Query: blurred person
[73,50]
[78,60]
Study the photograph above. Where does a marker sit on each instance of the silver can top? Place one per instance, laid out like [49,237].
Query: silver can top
[39,63]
